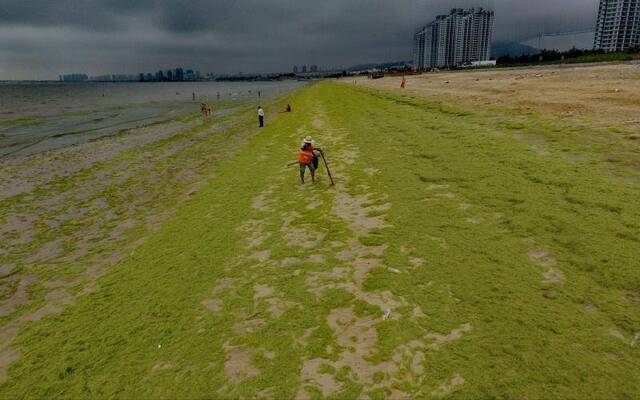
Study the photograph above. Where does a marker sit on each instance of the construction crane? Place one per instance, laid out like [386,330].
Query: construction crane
[540,35]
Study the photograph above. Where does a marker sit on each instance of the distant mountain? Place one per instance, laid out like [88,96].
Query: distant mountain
[514,49]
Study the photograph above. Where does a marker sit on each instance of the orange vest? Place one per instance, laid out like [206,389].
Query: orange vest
[306,156]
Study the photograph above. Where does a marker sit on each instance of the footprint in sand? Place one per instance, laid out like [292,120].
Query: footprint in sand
[260,203]
[437,187]
[542,257]
[618,335]
[554,275]
[416,261]
[474,220]
[371,171]
[449,386]
[545,258]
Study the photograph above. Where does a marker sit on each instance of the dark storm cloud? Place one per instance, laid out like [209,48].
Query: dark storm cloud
[42,38]
[88,14]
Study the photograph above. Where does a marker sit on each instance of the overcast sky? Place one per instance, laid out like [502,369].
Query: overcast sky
[40,39]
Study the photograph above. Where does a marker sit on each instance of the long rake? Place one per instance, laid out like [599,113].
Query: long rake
[325,164]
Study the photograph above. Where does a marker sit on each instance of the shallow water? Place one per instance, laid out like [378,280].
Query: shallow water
[40,117]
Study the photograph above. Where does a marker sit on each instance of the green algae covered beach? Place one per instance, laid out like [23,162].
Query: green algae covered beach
[464,252]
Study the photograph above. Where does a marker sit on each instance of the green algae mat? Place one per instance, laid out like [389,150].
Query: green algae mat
[461,254]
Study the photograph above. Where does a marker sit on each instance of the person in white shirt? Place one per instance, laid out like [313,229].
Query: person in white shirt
[261,116]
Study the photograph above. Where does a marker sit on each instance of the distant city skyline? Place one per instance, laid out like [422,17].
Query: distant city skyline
[176,74]
[40,39]
[303,69]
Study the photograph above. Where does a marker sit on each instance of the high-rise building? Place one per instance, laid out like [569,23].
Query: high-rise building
[313,68]
[419,48]
[304,69]
[179,74]
[618,26]
[295,69]
[463,36]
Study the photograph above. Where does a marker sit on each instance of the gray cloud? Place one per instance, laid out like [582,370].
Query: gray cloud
[42,38]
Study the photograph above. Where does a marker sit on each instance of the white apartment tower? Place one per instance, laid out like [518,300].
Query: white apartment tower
[451,40]
[418,46]
[618,26]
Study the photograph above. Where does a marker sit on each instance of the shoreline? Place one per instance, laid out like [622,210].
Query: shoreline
[81,113]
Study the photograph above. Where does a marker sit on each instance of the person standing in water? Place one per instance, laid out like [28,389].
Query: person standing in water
[261,116]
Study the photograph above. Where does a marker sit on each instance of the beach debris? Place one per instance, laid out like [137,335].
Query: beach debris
[538,75]
[387,314]
[395,271]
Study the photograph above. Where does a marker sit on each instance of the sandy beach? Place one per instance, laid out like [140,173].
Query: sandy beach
[603,94]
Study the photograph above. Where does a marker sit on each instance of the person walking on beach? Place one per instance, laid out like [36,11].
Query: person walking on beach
[261,116]
[404,82]
[307,158]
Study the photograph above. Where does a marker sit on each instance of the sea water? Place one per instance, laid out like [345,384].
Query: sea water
[44,116]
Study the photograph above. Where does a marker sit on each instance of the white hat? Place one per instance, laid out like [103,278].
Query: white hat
[308,140]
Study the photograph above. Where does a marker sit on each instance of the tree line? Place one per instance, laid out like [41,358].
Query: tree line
[572,55]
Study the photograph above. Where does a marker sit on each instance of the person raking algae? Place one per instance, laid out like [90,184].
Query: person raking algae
[307,158]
